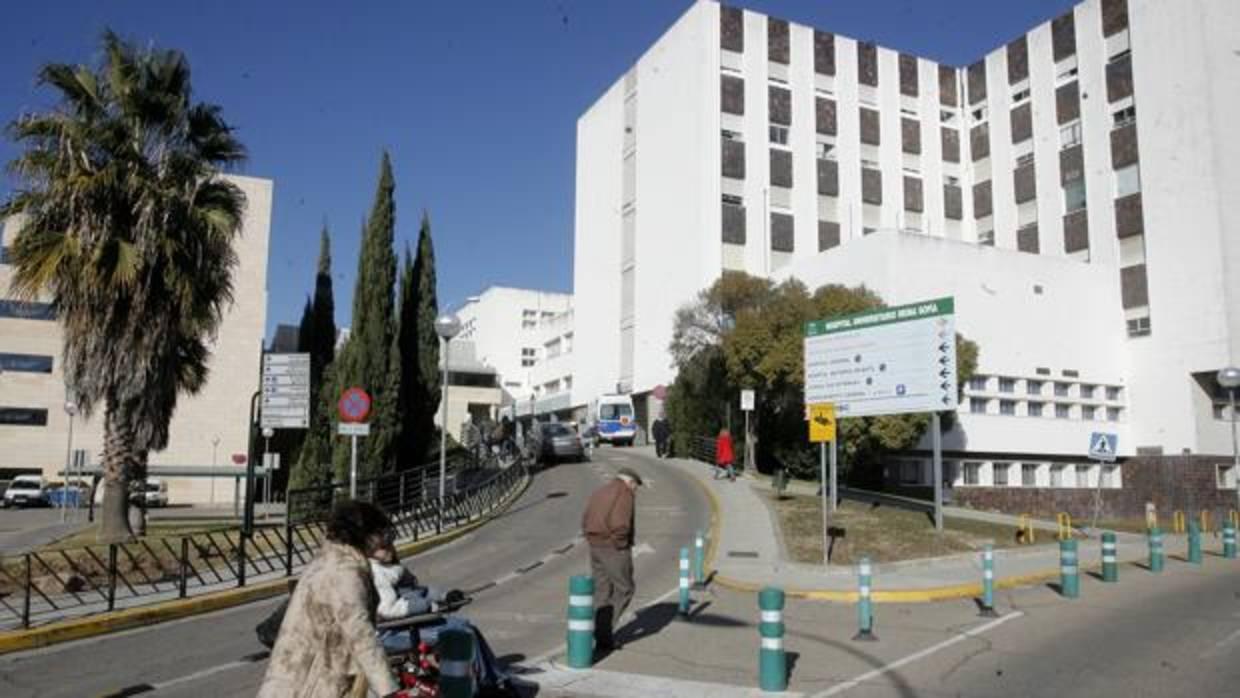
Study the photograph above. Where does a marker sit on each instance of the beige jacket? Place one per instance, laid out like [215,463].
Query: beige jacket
[328,635]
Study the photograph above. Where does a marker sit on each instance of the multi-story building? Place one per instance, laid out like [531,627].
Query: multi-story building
[1068,188]
[207,429]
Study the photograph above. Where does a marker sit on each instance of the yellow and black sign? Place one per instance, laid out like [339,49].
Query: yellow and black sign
[822,422]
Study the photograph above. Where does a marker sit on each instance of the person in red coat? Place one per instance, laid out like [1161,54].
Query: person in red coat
[724,457]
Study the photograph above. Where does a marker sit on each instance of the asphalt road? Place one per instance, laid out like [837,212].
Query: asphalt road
[519,565]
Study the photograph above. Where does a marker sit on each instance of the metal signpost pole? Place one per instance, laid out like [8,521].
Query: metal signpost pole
[267,434]
[446,326]
[936,438]
[71,410]
[826,492]
[353,467]
[833,472]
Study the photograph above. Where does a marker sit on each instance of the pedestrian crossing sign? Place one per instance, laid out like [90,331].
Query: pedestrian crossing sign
[1102,446]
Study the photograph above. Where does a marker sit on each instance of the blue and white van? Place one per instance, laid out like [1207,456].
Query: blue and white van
[614,418]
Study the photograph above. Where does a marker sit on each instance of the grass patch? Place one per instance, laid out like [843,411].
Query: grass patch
[88,535]
[882,532]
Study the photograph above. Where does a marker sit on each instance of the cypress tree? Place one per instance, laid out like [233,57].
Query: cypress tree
[425,390]
[317,337]
[408,453]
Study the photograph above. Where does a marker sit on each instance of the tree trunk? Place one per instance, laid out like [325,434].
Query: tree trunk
[119,458]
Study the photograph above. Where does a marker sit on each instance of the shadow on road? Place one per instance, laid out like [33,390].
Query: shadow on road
[652,619]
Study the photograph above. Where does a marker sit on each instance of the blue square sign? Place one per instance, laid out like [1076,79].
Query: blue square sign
[1102,446]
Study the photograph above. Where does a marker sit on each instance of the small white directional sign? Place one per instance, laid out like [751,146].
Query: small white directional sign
[286,391]
[1102,446]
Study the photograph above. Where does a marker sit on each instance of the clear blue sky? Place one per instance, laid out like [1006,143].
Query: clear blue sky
[477,102]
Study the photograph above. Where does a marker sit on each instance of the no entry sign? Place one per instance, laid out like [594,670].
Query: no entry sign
[354,405]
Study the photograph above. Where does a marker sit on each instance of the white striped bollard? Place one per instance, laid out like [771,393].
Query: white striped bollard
[865,614]
[1110,564]
[580,622]
[456,657]
[772,662]
[988,582]
[699,560]
[684,582]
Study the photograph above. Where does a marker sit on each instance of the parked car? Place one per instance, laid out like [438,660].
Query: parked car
[26,491]
[555,441]
[154,490]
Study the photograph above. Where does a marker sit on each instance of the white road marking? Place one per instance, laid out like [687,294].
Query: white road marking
[967,634]
[161,685]
[1220,647]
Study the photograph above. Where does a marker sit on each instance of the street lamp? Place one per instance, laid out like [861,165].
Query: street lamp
[447,326]
[268,432]
[1229,378]
[71,409]
[215,449]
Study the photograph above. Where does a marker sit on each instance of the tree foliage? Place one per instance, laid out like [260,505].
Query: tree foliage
[317,337]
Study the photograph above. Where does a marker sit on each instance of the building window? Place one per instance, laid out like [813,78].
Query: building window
[1063,411]
[23,310]
[25,363]
[1113,393]
[1109,477]
[1225,476]
[1007,385]
[1029,474]
[23,417]
[1074,195]
[1007,407]
[1112,414]
[1057,476]
[529,357]
[1035,409]
[1125,116]
[977,383]
[977,405]
[972,473]
[1127,181]
[1033,387]
[1088,412]
[1061,389]
[986,237]
[4,254]
[1139,326]
[1087,391]
[779,134]
[529,319]
[1070,135]
[1001,474]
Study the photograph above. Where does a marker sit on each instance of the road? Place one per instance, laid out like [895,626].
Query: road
[519,564]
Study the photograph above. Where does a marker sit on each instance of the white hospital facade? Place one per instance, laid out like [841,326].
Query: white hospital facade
[1070,189]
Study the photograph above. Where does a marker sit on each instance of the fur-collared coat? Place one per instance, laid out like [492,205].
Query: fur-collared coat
[328,635]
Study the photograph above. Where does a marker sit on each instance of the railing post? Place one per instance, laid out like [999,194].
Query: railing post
[240,561]
[288,546]
[401,505]
[26,600]
[112,576]
[183,582]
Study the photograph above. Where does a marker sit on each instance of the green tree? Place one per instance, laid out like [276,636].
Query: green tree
[425,385]
[129,228]
[318,338]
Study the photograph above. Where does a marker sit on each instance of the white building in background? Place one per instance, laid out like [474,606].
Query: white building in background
[473,389]
[1068,188]
[207,428]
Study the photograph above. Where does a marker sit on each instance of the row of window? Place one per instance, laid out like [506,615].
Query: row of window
[1032,386]
[23,417]
[25,363]
[1034,408]
[1052,475]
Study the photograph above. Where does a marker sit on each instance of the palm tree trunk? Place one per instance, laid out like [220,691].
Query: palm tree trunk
[119,459]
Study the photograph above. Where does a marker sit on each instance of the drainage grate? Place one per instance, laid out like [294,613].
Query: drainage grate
[742,553]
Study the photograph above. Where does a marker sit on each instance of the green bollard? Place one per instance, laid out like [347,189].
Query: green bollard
[1069,570]
[865,614]
[1194,543]
[1110,568]
[580,622]
[699,560]
[1229,541]
[456,657]
[772,662]
[988,582]
[1156,549]
[684,582]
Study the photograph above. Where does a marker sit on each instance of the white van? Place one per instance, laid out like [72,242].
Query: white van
[26,491]
[614,420]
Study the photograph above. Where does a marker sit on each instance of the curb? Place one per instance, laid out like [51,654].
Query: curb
[125,619]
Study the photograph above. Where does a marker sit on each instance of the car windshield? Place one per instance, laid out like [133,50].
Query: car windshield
[152,487]
[24,485]
[614,411]
[557,430]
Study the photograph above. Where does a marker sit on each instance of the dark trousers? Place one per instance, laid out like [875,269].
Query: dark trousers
[613,589]
[660,447]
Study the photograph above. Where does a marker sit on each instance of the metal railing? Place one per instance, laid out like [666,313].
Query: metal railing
[702,448]
[40,587]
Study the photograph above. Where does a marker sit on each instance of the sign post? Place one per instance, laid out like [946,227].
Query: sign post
[353,408]
[747,403]
[822,430]
[1102,447]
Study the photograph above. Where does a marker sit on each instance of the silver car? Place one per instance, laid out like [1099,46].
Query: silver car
[555,442]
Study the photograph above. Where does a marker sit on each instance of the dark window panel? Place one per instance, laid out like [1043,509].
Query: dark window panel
[910,135]
[23,310]
[23,416]
[951,144]
[782,234]
[779,101]
[1119,79]
[1124,146]
[913,198]
[824,53]
[1133,287]
[1063,36]
[871,186]
[1027,239]
[908,75]
[732,94]
[1022,123]
[1068,102]
[977,82]
[979,142]
[1114,16]
[734,224]
[828,235]
[1071,164]
[1024,180]
[777,40]
[1017,60]
[952,202]
[982,204]
[828,178]
[1076,231]
[731,29]
[825,115]
[870,129]
[1128,218]
[947,87]
[4,254]
[781,168]
[25,363]
[733,158]
[867,63]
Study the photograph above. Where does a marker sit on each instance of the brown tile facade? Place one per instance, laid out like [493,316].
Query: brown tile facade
[731,29]
[1134,290]
[783,238]
[824,53]
[982,201]
[950,138]
[871,133]
[1119,79]
[732,94]
[828,235]
[824,117]
[734,224]
[1027,239]
[1063,36]
[1071,164]
[913,199]
[1017,60]
[1022,122]
[952,202]
[979,142]
[871,186]
[1128,217]
[908,75]
[779,104]
[977,82]
[910,135]
[1076,231]
[867,63]
[1068,102]
[733,158]
[777,40]
[1124,146]
[947,87]
[1025,182]
[1114,16]
[781,168]
[828,178]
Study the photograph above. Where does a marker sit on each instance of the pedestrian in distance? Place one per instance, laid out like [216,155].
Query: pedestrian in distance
[662,432]
[608,525]
[724,458]
[328,634]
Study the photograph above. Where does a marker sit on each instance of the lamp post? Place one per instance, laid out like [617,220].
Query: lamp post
[215,449]
[447,326]
[1229,379]
[268,432]
[71,409]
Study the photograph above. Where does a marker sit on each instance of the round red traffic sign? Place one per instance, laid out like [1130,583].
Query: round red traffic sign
[354,405]
[239,458]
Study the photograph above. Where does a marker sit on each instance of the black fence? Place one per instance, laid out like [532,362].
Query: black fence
[45,586]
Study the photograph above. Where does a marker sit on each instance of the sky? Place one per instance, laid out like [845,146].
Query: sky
[477,103]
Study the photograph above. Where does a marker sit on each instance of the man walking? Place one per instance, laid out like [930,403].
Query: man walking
[608,527]
[662,432]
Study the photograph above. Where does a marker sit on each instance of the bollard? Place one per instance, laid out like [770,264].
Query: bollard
[772,663]
[1156,549]
[1069,570]
[456,656]
[988,582]
[1177,522]
[1229,541]
[1026,526]
[1110,570]
[1205,520]
[684,582]
[580,622]
[1064,522]
[865,615]
[699,560]
[1194,543]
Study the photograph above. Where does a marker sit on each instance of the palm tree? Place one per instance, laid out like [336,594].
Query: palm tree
[128,228]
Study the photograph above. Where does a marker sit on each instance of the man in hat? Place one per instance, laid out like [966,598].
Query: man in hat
[608,527]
